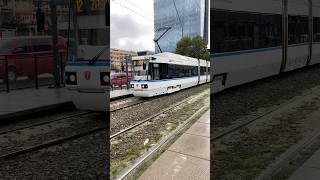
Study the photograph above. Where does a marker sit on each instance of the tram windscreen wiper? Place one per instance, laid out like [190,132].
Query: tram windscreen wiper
[96,57]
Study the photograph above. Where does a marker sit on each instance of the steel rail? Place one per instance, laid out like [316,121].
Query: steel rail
[50,143]
[161,144]
[43,123]
[149,118]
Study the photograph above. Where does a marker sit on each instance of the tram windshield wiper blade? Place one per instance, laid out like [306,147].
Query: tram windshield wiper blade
[96,57]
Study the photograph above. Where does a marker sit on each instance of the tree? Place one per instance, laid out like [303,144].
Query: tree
[193,47]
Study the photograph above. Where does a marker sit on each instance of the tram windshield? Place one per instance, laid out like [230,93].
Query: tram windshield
[140,70]
[88,32]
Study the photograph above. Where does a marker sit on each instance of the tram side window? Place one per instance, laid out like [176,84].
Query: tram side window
[163,71]
[236,31]
[203,71]
[180,71]
[298,29]
[316,29]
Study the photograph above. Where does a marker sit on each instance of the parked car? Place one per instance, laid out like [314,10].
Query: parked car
[119,79]
[22,52]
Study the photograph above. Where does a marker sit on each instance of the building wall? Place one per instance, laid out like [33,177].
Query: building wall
[185,17]
[21,15]
[117,57]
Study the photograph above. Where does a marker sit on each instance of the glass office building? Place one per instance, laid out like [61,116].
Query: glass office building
[182,18]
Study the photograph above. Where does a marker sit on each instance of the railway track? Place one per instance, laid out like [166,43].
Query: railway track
[137,101]
[163,141]
[160,145]
[125,130]
[52,142]
[245,123]
[43,123]
[128,105]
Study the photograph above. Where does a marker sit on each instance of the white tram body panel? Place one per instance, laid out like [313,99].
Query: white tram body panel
[88,93]
[236,67]
[88,84]
[147,87]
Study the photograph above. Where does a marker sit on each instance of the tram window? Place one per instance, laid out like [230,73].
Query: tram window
[316,29]
[297,29]
[163,71]
[202,70]
[235,31]
[180,71]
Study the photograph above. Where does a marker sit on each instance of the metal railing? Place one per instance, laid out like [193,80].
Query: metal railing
[17,61]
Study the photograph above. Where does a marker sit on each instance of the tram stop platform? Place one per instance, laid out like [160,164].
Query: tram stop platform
[310,170]
[18,103]
[187,158]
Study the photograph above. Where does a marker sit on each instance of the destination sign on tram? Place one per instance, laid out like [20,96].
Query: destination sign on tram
[90,5]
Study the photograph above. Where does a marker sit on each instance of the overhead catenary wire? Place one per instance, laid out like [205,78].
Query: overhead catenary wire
[130,9]
[143,10]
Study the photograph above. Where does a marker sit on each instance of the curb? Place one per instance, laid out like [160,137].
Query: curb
[288,156]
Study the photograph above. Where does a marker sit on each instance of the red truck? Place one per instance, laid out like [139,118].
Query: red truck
[21,53]
[119,79]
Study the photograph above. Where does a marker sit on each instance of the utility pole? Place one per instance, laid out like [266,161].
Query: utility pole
[127,70]
[56,66]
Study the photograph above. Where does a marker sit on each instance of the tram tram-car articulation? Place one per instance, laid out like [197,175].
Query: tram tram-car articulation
[252,39]
[166,73]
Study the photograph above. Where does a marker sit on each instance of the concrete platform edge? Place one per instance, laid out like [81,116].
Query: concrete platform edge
[26,112]
[287,156]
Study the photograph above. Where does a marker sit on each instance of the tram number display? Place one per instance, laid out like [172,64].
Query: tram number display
[138,63]
[90,5]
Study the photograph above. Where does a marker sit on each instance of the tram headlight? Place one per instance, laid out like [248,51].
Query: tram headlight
[71,78]
[132,86]
[104,78]
[144,86]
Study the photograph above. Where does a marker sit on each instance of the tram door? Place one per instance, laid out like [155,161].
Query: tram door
[298,34]
[156,72]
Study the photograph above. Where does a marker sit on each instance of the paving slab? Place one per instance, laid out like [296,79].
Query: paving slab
[188,157]
[175,166]
[306,173]
[309,170]
[200,129]
[314,161]
[205,118]
[193,145]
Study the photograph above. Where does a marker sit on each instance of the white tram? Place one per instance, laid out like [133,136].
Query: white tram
[88,67]
[166,73]
[253,39]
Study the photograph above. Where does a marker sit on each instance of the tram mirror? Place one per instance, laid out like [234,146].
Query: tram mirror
[144,66]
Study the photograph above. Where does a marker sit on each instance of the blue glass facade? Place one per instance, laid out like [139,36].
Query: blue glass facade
[184,17]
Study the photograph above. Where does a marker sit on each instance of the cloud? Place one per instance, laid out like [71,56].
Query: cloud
[129,32]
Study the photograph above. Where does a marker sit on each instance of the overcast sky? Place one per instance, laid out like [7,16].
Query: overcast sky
[132,29]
